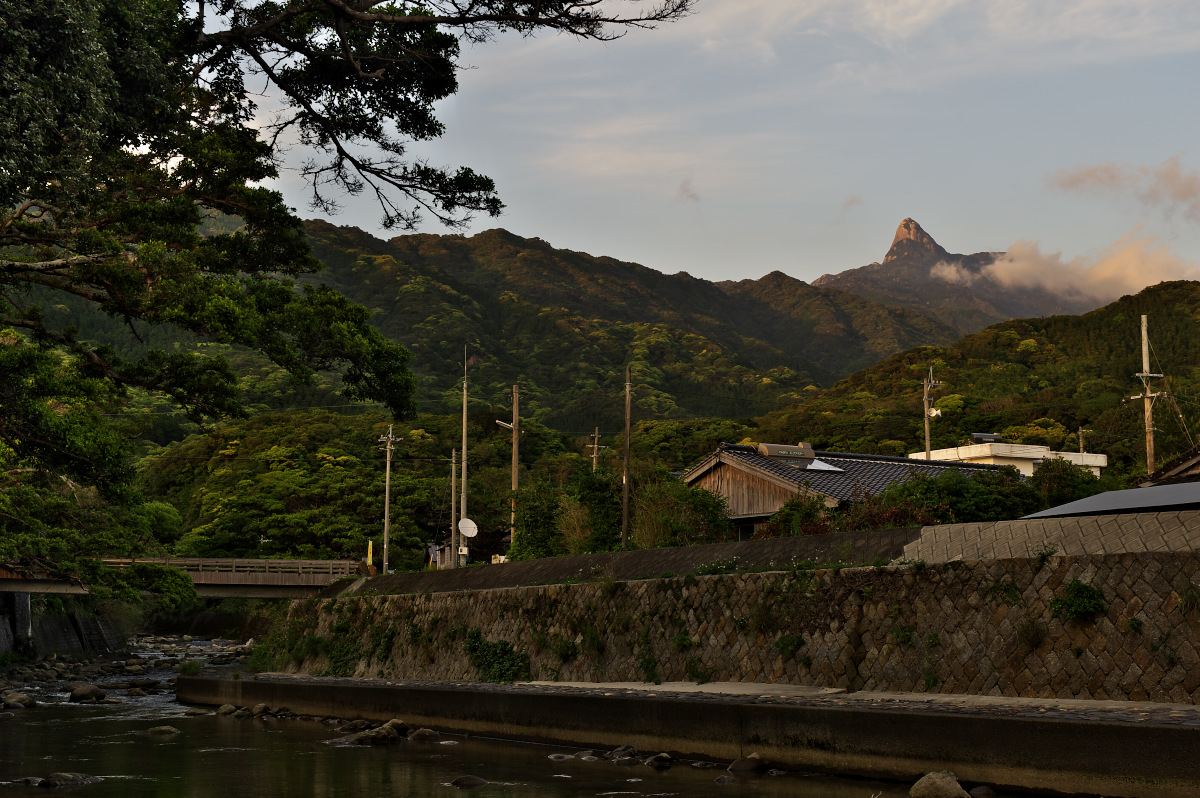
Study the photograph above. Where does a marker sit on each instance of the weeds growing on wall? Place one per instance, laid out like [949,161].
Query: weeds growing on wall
[787,645]
[647,662]
[1032,633]
[496,662]
[1081,604]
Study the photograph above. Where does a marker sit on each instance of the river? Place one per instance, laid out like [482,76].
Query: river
[215,756]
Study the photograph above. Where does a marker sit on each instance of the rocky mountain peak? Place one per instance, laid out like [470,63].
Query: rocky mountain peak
[911,236]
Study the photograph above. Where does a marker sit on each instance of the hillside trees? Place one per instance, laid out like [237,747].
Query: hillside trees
[126,122]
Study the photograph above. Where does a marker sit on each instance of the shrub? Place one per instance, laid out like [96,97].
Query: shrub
[1081,604]
[497,661]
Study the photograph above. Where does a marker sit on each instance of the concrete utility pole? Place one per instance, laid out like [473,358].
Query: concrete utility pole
[388,441]
[625,476]
[1147,397]
[929,383]
[1082,432]
[453,510]
[463,510]
[595,447]
[516,431]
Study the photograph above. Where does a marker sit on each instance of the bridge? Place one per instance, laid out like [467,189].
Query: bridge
[214,577]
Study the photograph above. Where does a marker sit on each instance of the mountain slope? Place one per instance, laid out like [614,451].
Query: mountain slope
[532,311]
[1075,371]
[905,278]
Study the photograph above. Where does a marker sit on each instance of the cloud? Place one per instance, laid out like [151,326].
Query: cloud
[851,202]
[686,191]
[1127,266]
[953,273]
[1168,186]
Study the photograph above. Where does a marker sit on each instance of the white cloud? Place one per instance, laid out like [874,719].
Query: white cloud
[1128,265]
[1168,186]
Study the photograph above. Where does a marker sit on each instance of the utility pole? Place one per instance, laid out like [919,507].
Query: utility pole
[929,383]
[625,476]
[1082,432]
[388,441]
[595,447]
[516,431]
[453,509]
[1147,397]
[463,510]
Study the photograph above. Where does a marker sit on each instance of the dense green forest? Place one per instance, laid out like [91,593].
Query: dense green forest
[565,324]
[1031,380]
[302,475]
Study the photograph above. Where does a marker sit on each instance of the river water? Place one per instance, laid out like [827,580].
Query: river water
[215,756]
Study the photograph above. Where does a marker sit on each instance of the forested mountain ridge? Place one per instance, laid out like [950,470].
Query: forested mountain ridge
[565,324]
[1035,380]
[905,278]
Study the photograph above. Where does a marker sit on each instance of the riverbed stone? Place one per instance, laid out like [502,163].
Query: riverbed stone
[660,761]
[63,780]
[468,782]
[242,713]
[18,700]
[982,791]
[162,730]
[87,692]
[943,784]
[197,711]
[356,726]
[226,709]
[750,763]
[423,736]
[7,715]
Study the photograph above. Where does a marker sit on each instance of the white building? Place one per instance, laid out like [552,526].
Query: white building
[1023,456]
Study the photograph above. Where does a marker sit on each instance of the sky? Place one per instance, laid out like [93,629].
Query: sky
[795,135]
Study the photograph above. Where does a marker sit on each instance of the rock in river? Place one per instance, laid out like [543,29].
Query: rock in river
[68,780]
[381,735]
[938,785]
[468,782]
[87,692]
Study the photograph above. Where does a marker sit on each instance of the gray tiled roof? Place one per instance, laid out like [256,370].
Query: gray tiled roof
[1181,496]
[856,474]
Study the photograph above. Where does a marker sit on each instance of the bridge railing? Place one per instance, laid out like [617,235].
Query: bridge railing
[230,565]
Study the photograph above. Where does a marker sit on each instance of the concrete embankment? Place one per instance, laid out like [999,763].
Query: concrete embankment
[1064,750]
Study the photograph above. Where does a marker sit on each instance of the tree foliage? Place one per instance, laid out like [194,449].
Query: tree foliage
[129,123]
[951,497]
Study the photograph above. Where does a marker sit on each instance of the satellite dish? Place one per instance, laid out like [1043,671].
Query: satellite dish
[468,528]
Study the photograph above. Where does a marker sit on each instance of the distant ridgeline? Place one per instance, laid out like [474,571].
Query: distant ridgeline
[564,324]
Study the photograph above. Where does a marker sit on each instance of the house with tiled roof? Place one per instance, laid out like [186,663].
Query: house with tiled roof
[757,480]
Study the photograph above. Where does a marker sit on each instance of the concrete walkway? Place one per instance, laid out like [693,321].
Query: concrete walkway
[1132,750]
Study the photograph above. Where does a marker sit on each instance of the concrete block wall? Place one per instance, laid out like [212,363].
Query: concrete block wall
[973,627]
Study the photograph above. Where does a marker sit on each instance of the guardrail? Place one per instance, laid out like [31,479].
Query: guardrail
[217,565]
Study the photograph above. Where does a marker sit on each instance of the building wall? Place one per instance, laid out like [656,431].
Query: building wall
[746,493]
[977,627]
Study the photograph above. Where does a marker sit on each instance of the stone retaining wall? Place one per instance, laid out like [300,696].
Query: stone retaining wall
[975,627]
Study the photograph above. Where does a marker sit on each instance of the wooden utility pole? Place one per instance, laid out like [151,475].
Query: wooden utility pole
[929,383]
[595,447]
[452,546]
[388,441]
[516,431]
[1147,397]
[625,476]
